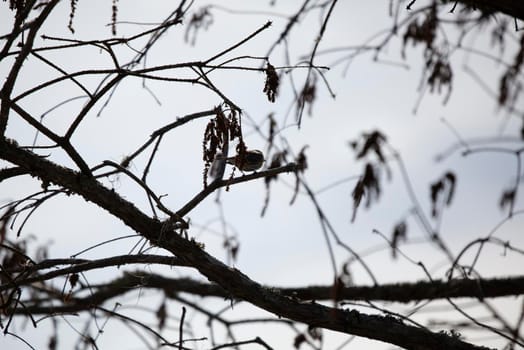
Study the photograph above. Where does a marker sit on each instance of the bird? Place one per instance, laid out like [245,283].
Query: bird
[252,160]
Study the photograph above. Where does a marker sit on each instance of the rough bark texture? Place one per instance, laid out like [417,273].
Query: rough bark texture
[238,285]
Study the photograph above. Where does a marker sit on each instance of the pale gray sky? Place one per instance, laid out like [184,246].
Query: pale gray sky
[286,247]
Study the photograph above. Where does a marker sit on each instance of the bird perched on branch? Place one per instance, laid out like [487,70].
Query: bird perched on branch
[250,160]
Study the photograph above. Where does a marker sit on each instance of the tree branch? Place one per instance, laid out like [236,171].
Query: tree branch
[509,7]
[82,265]
[398,292]
[240,286]
[7,88]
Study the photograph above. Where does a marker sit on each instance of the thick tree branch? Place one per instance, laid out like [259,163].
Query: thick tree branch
[399,292]
[417,291]
[392,330]
[11,172]
[513,8]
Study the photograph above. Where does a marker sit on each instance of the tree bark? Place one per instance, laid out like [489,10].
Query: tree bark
[384,328]
[513,8]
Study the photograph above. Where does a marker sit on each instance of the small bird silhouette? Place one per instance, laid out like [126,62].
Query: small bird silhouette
[252,160]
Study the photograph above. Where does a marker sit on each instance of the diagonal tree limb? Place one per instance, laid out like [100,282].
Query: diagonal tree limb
[240,286]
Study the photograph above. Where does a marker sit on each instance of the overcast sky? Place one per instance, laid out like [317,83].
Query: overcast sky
[286,247]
